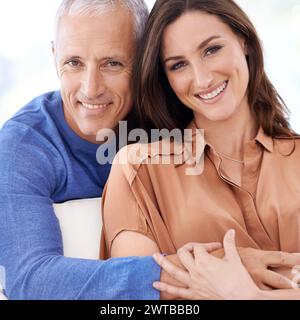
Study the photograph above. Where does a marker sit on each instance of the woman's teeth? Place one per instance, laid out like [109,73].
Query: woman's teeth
[215,93]
[94,106]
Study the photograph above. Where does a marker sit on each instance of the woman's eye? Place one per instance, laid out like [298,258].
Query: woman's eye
[114,64]
[212,50]
[177,66]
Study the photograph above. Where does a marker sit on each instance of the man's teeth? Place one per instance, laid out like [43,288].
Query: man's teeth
[94,106]
[215,93]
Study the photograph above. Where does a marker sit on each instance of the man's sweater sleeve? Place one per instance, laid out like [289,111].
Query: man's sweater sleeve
[31,244]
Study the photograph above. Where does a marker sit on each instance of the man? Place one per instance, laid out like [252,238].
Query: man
[48,155]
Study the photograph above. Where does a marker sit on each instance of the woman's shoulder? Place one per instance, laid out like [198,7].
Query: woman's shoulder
[131,157]
[138,153]
[287,146]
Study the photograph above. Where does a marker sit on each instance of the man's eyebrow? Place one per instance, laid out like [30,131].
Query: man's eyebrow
[201,46]
[107,58]
[68,57]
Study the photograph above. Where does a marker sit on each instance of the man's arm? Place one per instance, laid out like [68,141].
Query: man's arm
[31,245]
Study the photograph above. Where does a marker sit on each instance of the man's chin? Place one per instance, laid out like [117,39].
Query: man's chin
[97,135]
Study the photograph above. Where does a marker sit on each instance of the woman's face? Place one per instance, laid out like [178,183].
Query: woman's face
[205,63]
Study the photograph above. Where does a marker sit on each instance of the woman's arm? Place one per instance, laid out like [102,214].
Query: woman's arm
[130,243]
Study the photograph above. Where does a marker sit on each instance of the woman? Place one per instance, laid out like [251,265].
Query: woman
[201,66]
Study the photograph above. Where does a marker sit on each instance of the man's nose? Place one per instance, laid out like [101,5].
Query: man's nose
[202,76]
[93,83]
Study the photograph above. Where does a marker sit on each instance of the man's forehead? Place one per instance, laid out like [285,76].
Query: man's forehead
[111,26]
[115,16]
[104,29]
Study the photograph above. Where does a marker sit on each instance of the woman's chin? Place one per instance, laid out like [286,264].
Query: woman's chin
[215,117]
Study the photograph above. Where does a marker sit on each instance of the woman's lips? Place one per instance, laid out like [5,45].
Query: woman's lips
[214,94]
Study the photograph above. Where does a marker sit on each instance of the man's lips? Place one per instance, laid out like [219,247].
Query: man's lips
[98,106]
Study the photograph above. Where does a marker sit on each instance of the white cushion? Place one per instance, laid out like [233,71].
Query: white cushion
[2,297]
[80,222]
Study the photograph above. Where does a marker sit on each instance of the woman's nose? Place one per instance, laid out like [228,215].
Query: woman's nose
[202,76]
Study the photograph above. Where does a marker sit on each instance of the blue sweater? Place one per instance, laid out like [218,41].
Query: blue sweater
[42,161]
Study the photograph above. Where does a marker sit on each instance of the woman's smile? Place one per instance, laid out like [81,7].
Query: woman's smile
[213,94]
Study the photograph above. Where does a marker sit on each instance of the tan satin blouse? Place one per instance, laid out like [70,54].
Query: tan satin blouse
[172,208]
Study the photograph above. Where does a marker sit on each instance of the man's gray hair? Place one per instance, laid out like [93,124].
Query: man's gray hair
[138,8]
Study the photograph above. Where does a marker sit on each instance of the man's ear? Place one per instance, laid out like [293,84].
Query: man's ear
[52,47]
[54,56]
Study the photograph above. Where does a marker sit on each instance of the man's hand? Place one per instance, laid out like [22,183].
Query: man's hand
[268,269]
[208,277]
[170,277]
[167,278]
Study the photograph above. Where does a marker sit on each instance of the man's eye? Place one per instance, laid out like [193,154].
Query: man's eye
[212,50]
[73,63]
[177,66]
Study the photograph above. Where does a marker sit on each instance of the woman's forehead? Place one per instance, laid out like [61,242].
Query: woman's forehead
[191,29]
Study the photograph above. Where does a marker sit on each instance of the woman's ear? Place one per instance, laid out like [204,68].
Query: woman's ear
[244,46]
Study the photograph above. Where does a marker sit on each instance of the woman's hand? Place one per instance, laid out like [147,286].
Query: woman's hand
[208,277]
[268,269]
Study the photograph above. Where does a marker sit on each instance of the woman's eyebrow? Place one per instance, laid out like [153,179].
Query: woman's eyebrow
[201,46]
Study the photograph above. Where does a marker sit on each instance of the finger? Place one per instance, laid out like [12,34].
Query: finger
[186,258]
[174,271]
[279,259]
[202,257]
[200,251]
[208,247]
[230,248]
[175,291]
[276,280]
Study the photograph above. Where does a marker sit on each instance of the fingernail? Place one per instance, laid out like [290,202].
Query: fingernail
[156,285]
[156,256]
[231,234]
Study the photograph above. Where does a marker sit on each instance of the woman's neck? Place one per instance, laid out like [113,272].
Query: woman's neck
[228,137]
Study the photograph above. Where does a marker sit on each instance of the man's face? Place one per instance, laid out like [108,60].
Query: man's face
[94,57]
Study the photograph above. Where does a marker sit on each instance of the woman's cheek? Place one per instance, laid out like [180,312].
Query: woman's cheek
[179,84]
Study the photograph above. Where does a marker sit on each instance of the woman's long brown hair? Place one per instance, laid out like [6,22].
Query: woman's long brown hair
[157,105]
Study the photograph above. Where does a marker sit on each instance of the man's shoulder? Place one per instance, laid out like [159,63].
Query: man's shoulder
[31,121]
[28,148]
[38,109]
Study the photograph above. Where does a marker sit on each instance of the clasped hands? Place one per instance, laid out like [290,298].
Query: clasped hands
[218,272]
